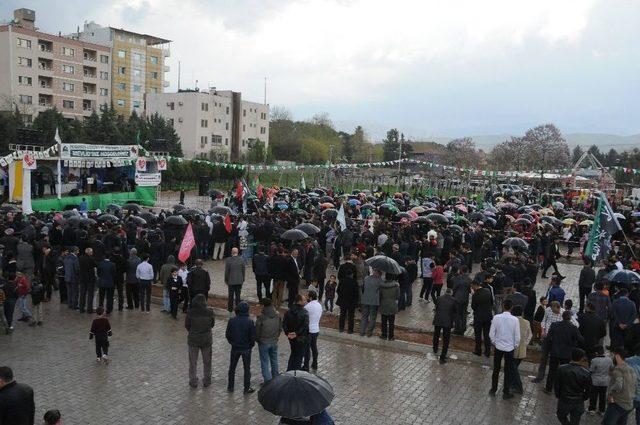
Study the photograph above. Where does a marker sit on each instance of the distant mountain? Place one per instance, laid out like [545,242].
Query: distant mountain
[604,141]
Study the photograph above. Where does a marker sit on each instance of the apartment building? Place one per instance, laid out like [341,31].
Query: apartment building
[217,125]
[138,66]
[39,71]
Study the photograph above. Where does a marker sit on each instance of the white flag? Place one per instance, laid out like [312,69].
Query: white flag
[57,136]
[341,218]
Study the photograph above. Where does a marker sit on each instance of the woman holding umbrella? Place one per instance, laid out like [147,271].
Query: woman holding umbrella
[347,293]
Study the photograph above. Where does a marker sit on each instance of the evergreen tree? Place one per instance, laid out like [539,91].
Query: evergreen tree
[391,145]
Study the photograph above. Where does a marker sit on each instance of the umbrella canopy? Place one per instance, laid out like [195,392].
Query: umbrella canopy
[522,222]
[220,209]
[558,205]
[308,228]
[8,208]
[625,277]
[74,220]
[191,212]
[87,221]
[294,235]
[296,394]
[108,217]
[354,202]
[367,206]
[423,220]
[546,211]
[139,221]
[176,219]
[490,222]
[418,210]
[327,205]
[462,208]
[438,218]
[326,199]
[528,217]
[516,243]
[569,221]
[551,220]
[214,192]
[586,222]
[456,229]
[489,213]
[476,216]
[282,205]
[132,207]
[113,208]
[330,213]
[149,216]
[384,263]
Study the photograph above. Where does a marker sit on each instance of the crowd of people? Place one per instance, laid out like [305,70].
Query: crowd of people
[312,256]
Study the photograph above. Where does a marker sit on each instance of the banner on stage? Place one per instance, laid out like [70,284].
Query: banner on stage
[141,164]
[162,164]
[80,150]
[148,179]
[29,161]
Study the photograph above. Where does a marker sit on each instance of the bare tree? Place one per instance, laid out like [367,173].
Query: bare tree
[280,113]
[462,153]
[510,154]
[546,148]
[322,119]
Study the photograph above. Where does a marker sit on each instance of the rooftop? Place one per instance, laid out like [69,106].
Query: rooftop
[151,39]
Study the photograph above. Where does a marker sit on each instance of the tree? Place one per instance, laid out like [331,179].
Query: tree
[612,158]
[257,153]
[279,113]
[10,121]
[322,119]
[313,151]
[577,153]
[159,128]
[462,153]
[92,129]
[391,144]
[348,146]
[595,151]
[546,148]
[47,122]
[510,154]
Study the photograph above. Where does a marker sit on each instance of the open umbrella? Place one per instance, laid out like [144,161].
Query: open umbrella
[569,221]
[418,210]
[438,218]
[113,208]
[551,220]
[176,219]
[354,202]
[586,222]
[214,192]
[490,222]
[8,208]
[87,221]
[294,235]
[308,228]
[149,216]
[296,394]
[326,199]
[423,220]
[528,217]
[476,216]
[74,220]
[456,229]
[516,243]
[108,217]
[367,206]
[384,263]
[139,221]
[132,207]
[283,206]
[522,222]
[220,209]
[327,205]
[192,212]
[462,208]
[330,213]
[625,277]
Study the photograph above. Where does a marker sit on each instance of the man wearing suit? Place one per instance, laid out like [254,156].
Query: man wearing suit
[292,276]
[87,280]
[106,283]
[233,278]
[482,306]
[623,314]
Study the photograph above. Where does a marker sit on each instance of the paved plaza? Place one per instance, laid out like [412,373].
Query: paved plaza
[146,381]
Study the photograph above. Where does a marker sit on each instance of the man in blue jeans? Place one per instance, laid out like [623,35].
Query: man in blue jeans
[621,390]
[634,363]
[241,334]
[268,328]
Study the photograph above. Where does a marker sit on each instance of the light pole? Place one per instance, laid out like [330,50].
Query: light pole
[399,162]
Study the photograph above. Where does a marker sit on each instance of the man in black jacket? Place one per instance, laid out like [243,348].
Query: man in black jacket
[585,283]
[241,334]
[296,327]
[198,281]
[593,329]
[461,290]
[292,276]
[87,280]
[572,389]
[17,406]
[482,306]
[563,337]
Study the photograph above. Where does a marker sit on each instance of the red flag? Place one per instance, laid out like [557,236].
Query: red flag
[188,242]
[239,191]
[259,191]
[227,223]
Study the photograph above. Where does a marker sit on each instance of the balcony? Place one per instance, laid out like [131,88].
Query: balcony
[45,101]
[166,68]
[86,90]
[87,105]
[45,65]
[45,83]
[89,74]
[166,53]
[90,55]
[45,46]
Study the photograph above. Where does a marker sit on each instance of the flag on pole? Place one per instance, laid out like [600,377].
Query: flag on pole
[227,223]
[303,184]
[59,165]
[259,192]
[188,242]
[138,137]
[605,224]
[341,218]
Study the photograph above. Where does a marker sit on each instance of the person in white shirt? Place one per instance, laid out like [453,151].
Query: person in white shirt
[505,336]
[183,272]
[314,309]
[144,273]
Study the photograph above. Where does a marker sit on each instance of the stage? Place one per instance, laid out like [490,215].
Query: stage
[143,195]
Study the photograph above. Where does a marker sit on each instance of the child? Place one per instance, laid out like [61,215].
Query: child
[101,330]
[184,292]
[568,306]
[313,287]
[600,366]
[37,296]
[536,324]
[175,287]
[330,293]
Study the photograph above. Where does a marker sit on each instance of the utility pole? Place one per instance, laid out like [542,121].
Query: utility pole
[399,162]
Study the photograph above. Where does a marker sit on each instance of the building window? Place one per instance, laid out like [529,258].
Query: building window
[104,75]
[244,127]
[243,143]
[25,62]
[204,107]
[68,69]
[68,87]
[153,75]
[122,54]
[171,105]
[26,119]
[204,123]
[68,51]
[136,103]
[137,88]
[227,110]
[122,70]
[203,141]
[121,102]
[154,60]
[137,72]
[215,139]
[170,121]
[138,57]
[104,59]
[226,141]
[23,42]
[26,100]
[122,86]
[25,81]
[104,92]
[226,126]
[244,112]
[263,130]
[154,90]
[68,104]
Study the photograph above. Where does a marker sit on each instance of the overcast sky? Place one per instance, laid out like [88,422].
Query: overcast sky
[428,67]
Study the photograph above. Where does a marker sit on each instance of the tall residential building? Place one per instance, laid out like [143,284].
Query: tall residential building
[138,65]
[218,125]
[39,71]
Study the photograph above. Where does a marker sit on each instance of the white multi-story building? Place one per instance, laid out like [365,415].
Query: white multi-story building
[218,125]
[39,71]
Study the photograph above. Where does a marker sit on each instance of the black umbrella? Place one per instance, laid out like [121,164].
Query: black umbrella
[438,218]
[456,229]
[220,209]
[139,221]
[178,207]
[522,222]
[8,208]
[308,228]
[87,221]
[191,212]
[108,217]
[70,213]
[626,277]
[516,243]
[330,213]
[149,216]
[113,208]
[324,199]
[74,220]
[402,215]
[132,207]
[367,206]
[528,217]
[176,219]
[384,263]
[296,394]
[422,219]
[490,222]
[214,192]
[294,235]
[476,216]
[551,220]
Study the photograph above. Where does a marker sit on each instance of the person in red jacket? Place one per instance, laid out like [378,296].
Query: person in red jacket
[23,289]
